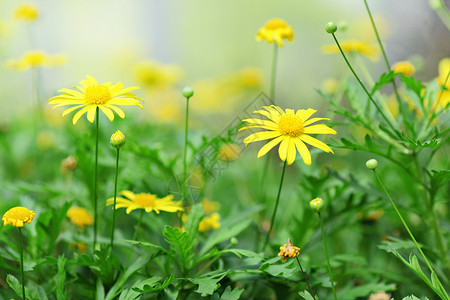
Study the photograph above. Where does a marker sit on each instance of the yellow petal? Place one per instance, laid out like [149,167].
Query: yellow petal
[266,148]
[319,129]
[268,114]
[291,152]
[283,149]
[107,112]
[117,110]
[303,150]
[304,114]
[259,136]
[128,194]
[69,110]
[91,113]
[78,115]
[315,143]
[313,120]
[261,122]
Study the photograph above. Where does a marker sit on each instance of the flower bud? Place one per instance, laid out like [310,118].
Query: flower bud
[331,27]
[117,139]
[188,92]
[233,241]
[316,204]
[372,164]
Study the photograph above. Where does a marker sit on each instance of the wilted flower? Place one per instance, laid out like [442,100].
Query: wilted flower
[17,216]
[146,201]
[274,31]
[288,250]
[380,296]
[68,164]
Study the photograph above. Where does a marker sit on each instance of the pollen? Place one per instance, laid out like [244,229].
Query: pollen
[290,125]
[145,200]
[97,94]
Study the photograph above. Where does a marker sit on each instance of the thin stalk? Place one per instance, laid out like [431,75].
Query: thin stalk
[21,261]
[276,205]
[364,88]
[138,225]
[115,195]
[273,72]
[328,257]
[409,231]
[397,96]
[95,175]
[306,279]
[186,127]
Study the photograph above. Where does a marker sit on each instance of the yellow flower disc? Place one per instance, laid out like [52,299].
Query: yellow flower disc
[17,216]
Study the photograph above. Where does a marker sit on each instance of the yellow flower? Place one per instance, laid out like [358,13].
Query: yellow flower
[443,81]
[35,59]
[117,139]
[288,250]
[329,86]
[354,46]
[274,31]
[211,222]
[289,128]
[92,95]
[80,217]
[405,67]
[18,215]
[210,206]
[228,152]
[154,74]
[146,201]
[26,12]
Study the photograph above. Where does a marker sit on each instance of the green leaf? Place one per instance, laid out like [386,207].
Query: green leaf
[439,178]
[435,281]
[128,294]
[193,220]
[40,293]
[180,244]
[209,284]
[275,267]
[16,285]
[99,291]
[148,245]
[120,283]
[242,252]
[413,84]
[364,290]
[229,294]
[385,78]
[306,295]
[412,297]
[154,286]
[61,293]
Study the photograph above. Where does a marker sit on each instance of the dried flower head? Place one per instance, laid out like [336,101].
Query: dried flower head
[380,296]
[17,216]
[68,164]
[274,31]
[288,250]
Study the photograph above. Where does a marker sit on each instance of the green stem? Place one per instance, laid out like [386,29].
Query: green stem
[397,95]
[186,127]
[95,175]
[115,195]
[273,72]
[409,231]
[138,225]
[328,257]
[364,88]
[21,261]
[306,279]
[276,205]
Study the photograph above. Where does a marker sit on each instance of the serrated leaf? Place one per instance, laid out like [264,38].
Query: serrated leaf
[61,293]
[385,78]
[229,294]
[147,244]
[147,287]
[208,285]
[275,267]
[128,294]
[180,244]
[413,84]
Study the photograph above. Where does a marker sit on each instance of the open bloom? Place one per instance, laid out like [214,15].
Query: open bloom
[290,129]
[274,31]
[209,222]
[35,59]
[288,250]
[17,216]
[91,95]
[146,201]
[354,46]
[405,67]
[26,12]
[80,217]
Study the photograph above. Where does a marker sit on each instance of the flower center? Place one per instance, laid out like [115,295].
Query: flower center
[145,200]
[290,125]
[97,94]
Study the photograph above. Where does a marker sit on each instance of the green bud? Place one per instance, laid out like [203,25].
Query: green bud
[316,204]
[233,241]
[188,92]
[117,139]
[343,25]
[372,164]
[331,27]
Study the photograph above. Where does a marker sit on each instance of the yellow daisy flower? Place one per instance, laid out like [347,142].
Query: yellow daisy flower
[80,217]
[35,59]
[288,250]
[274,31]
[18,215]
[354,46]
[289,128]
[444,95]
[26,12]
[92,95]
[146,201]
[208,223]
[405,67]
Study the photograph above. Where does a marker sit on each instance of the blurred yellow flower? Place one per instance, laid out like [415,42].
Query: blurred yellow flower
[92,95]
[405,67]
[36,59]
[249,77]
[354,46]
[289,128]
[26,12]
[153,74]
[329,86]
[209,206]
[228,152]
[146,201]
[288,250]
[210,222]
[80,217]
[18,215]
[443,80]
[80,246]
[274,31]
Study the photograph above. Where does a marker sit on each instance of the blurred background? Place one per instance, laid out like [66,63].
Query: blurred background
[163,46]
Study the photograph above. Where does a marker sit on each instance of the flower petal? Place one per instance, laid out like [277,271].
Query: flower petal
[261,122]
[78,115]
[313,120]
[315,143]
[266,148]
[303,150]
[91,113]
[107,112]
[291,152]
[117,110]
[304,114]
[259,136]
[69,110]
[128,194]
[319,129]
[283,149]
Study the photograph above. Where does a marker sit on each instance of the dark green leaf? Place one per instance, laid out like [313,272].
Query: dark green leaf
[209,284]
[180,244]
[229,294]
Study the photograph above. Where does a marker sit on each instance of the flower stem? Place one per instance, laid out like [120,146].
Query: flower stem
[138,226]
[397,96]
[21,261]
[115,195]
[364,88]
[276,205]
[306,279]
[326,254]
[95,175]
[409,231]
[184,186]
[273,72]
